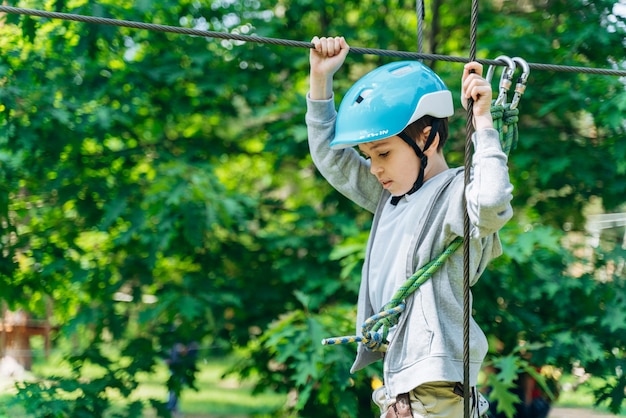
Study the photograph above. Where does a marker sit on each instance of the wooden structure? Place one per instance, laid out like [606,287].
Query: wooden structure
[16,329]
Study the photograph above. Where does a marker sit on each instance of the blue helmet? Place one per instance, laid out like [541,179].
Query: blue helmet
[388,99]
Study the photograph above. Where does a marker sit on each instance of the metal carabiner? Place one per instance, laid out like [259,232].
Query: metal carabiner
[506,79]
[520,87]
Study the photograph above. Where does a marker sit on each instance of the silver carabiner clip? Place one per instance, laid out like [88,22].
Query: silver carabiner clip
[506,79]
[520,87]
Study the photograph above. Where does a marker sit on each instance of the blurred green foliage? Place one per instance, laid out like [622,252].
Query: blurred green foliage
[158,189]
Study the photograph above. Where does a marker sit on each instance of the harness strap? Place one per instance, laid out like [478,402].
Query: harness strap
[420,154]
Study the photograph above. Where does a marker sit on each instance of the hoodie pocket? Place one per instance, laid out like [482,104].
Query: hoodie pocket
[413,338]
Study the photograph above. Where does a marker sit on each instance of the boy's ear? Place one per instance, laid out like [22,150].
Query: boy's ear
[424,137]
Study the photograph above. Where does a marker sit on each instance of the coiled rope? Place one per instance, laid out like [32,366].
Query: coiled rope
[505,122]
[284,42]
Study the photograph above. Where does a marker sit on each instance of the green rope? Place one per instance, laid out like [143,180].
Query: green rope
[413,283]
[389,315]
[505,122]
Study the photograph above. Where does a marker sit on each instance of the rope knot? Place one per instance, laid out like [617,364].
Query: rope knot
[374,341]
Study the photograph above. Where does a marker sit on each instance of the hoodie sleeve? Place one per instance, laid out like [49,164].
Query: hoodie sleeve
[344,169]
[489,191]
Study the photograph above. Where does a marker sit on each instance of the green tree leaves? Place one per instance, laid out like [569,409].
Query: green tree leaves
[157,188]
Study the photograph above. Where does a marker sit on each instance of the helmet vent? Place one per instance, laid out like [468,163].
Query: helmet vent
[400,71]
[363,95]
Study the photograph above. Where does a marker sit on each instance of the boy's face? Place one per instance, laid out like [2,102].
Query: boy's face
[393,162]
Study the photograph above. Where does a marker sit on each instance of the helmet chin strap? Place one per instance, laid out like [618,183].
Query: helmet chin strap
[420,154]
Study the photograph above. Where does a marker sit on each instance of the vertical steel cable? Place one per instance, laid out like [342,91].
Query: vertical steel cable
[421,15]
[466,228]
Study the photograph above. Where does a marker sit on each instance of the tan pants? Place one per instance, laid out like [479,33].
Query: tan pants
[432,400]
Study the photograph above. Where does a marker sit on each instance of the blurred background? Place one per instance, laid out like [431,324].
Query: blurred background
[165,233]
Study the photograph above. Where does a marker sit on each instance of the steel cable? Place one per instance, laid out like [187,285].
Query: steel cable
[469,128]
[284,42]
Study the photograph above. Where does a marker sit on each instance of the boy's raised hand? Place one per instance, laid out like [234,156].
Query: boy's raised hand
[476,87]
[326,58]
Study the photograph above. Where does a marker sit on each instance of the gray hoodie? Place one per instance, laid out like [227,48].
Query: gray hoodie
[427,345]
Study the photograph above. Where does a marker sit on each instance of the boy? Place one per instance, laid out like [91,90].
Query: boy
[397,117]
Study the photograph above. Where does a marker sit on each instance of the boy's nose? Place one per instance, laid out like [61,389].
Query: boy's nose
[375,168]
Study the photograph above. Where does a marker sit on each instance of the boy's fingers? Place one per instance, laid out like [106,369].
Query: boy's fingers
[329,44]
[318,44]
[479,91]
[323,48]
[329,47]
[334,46]
[476,66]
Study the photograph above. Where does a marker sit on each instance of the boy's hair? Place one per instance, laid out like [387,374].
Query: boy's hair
[415,129]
